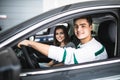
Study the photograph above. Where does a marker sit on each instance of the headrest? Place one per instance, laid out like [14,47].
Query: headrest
[112,31]
[107,31]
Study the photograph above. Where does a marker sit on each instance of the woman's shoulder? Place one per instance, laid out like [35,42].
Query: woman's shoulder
[70,44]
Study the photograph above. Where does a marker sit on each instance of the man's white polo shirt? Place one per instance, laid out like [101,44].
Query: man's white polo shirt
[90,51]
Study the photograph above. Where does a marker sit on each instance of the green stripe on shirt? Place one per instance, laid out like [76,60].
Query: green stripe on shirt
[100,51]
[75,60]
[64,56]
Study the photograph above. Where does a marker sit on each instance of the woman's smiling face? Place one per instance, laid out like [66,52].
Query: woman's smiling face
[60,35]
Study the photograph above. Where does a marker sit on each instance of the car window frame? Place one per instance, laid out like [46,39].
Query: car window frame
[54,22]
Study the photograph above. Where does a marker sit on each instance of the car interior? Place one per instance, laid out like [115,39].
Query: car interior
[104,30]
[109,28]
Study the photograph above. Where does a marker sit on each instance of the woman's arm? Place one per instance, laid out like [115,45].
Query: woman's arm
[50,63]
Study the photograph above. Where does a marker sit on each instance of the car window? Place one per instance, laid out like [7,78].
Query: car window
[100,21]
[46,35]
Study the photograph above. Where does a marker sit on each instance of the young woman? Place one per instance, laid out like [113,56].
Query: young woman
[61,39]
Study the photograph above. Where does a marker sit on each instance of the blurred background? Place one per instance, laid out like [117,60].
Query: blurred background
[13,12]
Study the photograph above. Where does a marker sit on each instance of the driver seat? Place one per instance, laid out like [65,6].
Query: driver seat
[107,36]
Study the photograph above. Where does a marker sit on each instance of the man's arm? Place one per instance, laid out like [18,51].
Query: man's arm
[64,55]
[43,48]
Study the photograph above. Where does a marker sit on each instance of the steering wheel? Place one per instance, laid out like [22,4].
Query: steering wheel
[28,58]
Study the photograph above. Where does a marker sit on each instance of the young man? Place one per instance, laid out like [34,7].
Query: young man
[89,49]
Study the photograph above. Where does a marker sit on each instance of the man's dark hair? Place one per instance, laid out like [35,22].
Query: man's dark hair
[88,18]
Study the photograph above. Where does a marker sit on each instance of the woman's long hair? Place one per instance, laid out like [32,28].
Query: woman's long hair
[65,32]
